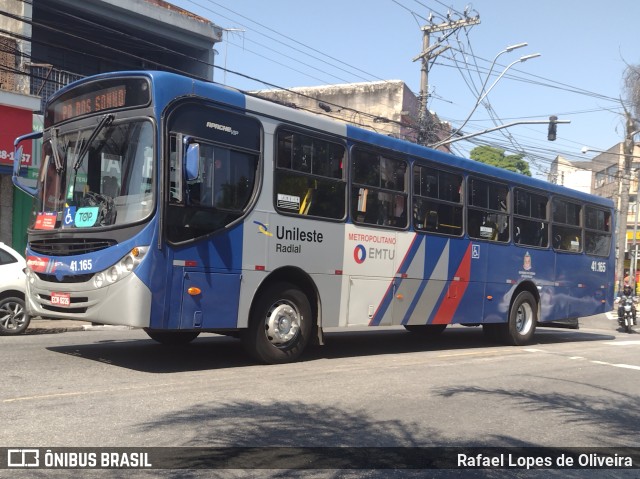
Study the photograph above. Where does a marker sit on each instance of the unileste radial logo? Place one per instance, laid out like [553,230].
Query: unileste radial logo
[359,254]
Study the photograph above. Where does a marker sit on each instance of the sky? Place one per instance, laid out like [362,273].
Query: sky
[584,46]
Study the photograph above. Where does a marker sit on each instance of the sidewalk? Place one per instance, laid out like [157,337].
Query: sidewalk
[49,326]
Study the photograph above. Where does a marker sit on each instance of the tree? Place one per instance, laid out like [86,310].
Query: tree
[496,157]
[632,87]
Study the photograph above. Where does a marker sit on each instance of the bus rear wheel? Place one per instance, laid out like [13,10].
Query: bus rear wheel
[172,338]
[523,317]
[280,325]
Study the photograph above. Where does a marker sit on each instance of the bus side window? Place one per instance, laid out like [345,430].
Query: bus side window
[567,226]
[487,210]
[379,189]
[309,176]
[530,219]
[437,202]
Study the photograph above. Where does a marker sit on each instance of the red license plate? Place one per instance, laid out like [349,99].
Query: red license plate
[61,299]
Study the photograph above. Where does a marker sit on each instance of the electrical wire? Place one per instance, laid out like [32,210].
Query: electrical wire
[542,81]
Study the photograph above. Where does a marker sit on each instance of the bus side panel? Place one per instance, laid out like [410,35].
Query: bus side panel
[461,299]
[510,266]
[212,264]
[274,242]
[581,290]
[216,306]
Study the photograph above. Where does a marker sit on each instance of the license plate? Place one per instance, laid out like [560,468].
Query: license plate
[61,299]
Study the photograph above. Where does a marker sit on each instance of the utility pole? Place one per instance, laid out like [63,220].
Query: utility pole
[627,150]
[429,52]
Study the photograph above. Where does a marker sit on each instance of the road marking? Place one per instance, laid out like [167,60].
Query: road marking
[474,353]
[627,366]
[623,343]
[623,366]
[593,361]
[86,393]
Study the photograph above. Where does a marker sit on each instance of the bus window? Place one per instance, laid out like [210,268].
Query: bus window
[437,202]
[530,222]
[597,235]
[487,215]
[379,189]
[566,230]
[309,178]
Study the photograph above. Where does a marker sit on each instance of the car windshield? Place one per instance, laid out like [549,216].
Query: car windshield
[97,177]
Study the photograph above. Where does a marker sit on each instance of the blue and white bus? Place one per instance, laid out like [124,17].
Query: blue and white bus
[181,206]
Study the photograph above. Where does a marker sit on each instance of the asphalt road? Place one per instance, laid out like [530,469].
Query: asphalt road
[116,388]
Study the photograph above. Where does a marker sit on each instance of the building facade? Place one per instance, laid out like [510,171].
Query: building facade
[387,107]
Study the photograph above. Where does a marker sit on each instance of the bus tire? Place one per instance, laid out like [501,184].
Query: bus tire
[172,338]
[426,329]
[523,317]
[280,325]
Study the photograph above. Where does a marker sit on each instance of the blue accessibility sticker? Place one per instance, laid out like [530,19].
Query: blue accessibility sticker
[87,217]
[69,217]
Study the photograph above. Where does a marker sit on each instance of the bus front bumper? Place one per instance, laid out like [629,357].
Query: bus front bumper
[126,302]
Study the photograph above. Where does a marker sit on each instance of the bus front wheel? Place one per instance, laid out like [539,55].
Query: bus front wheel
[280,325]
[523,317]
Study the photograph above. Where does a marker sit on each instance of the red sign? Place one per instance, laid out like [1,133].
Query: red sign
[45,221]
[15,122]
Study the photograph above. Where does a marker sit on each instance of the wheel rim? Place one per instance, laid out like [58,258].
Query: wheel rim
[12,315]
[524,318]
[282,324]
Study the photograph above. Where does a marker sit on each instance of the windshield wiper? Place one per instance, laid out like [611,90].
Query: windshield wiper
[105,121]
[56,155]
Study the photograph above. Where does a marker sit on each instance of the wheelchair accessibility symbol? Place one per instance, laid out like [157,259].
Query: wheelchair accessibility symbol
[475,251]
[68,216]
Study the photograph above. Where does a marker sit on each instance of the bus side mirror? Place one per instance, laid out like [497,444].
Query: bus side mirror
[20,170]
[192,162]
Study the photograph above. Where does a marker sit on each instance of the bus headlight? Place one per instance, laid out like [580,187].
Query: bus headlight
[121,269]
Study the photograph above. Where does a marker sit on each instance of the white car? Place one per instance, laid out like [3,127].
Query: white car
[13,317]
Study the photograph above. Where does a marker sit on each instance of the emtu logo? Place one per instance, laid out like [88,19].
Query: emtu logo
[262,228]
[359,254]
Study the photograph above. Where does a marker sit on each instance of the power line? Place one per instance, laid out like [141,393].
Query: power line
[261,81]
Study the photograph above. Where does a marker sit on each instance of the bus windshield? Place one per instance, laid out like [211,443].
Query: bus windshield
[98,176]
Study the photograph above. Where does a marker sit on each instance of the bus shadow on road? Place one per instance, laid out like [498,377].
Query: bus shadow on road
[210,351]
[398,341]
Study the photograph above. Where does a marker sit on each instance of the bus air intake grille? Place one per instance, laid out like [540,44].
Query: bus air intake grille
[51,278]
[70,247]
[57,309]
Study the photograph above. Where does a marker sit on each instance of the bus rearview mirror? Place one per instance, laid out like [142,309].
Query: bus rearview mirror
[192,162]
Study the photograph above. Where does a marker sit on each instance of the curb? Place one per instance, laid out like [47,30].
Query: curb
[54,326]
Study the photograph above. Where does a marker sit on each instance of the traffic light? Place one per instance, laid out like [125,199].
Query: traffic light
[551,136]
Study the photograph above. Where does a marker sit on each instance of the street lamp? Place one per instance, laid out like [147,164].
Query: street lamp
[483,92]
[519,60]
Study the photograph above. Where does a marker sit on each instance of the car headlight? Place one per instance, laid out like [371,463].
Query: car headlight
[122,268]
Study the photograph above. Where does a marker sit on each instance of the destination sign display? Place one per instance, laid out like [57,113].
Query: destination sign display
[98,97]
